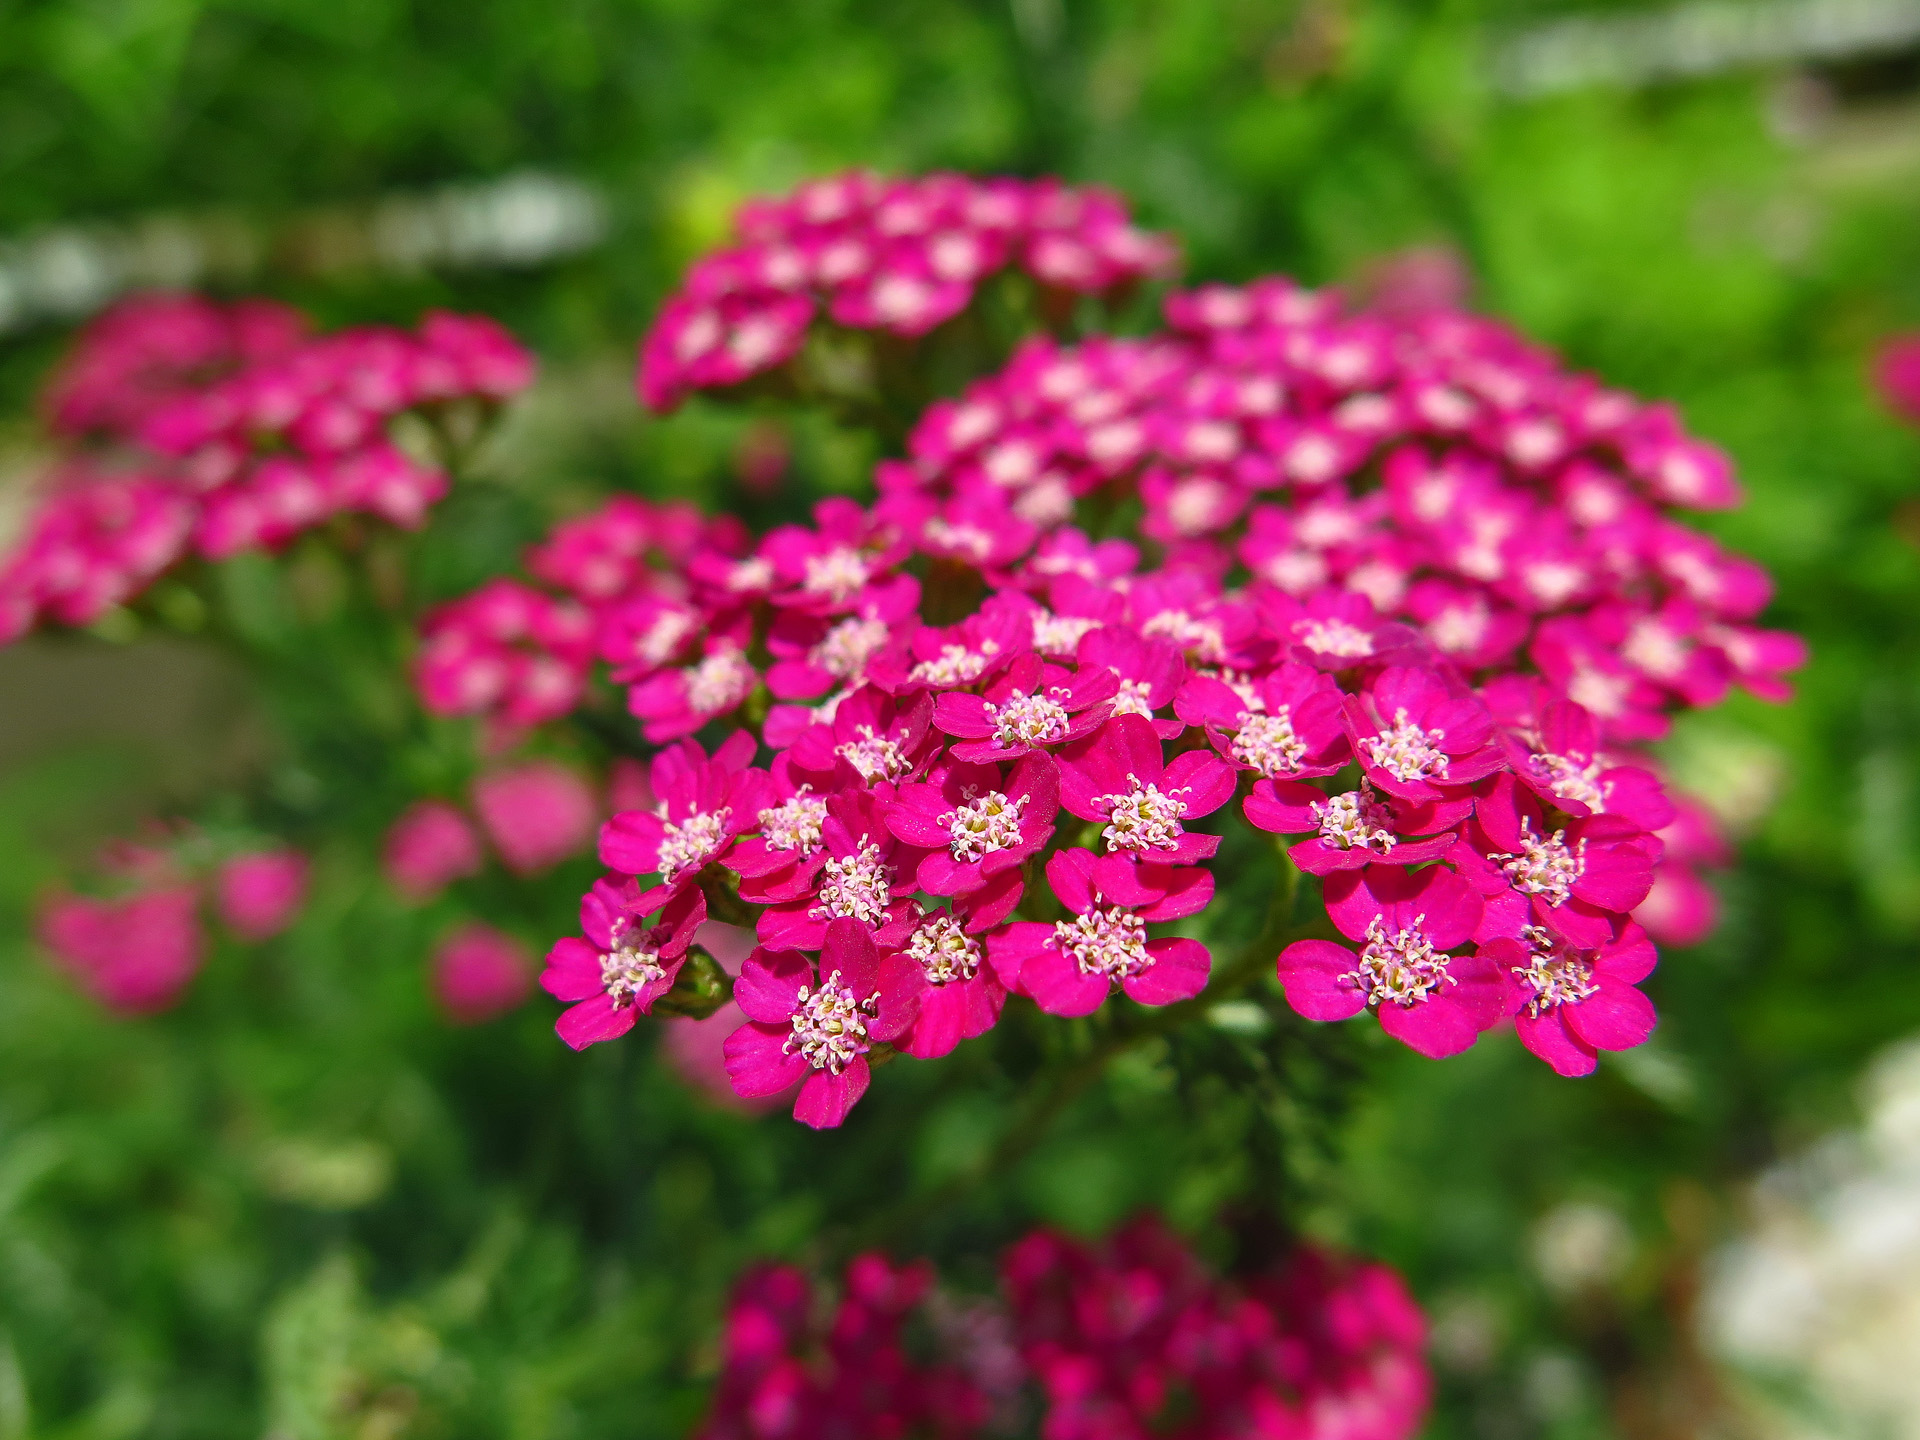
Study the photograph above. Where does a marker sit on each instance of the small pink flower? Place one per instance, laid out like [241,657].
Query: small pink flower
[536,814]
[1568,1003]
[703,804]
[1347,831]
[872,739]
[1417,737]
[673,703]
[258,895]
[1288,724]
[1579,878]
[961,993]
[480,973]
[135,955]
[1070,967]
[977,823]
[624,964]
[1150,673]
[1406,922]
[431,845]
[1558,757]
[1033,707]
[819,1027]
[864,873]
[1118,776]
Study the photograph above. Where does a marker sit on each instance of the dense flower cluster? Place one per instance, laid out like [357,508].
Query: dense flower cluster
[1121,1342]
[1398,590]
[135,949]
[898,256]
[197,429]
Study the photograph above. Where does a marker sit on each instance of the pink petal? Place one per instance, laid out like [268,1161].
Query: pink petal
[1208,780]
[1179,972]
[1009,951]
[849,948]
[941,1023]
[592,1021]
[757,1065]
[1548,1037]
[962,715]
[1057,986]
[1614,1017]
[826,1098]
[1630,959]
[1435,1027]
[1283,807]
[769,985]
[630,842]
[573,971]
[1310,971]
[1070,875]
[901,986]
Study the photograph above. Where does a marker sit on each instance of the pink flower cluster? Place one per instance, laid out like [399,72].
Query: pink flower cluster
[1896,375]
[1136,1339]
[534,814]
[1433,466]
[208,430]
[1120,1342]
[899,256]
[136,951]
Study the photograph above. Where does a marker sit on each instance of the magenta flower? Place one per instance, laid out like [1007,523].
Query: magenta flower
[1569,1003]
[865,874]
[702,805]
[623,965]
[820,1028]
[1347,831]
[259,894]
[1117,776]
[1578,878]
[955,657]
[535,814]
[431,845]
[779,862]
[480,973]
[135,955]
[1071,966]
[1339,629]
[673,703]
[1150,673]
[1415,736]
[961,993]
[1032,708]
[1405,921]
[1558,757]
[813,654]
[871,738]
[1288,724]
[977,823]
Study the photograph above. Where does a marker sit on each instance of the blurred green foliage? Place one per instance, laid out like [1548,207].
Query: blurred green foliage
[300,1205]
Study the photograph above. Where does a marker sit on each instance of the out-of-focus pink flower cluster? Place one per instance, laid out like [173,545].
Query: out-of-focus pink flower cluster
[194,428]
[900,256]
[1896,375]
[1129,1340]
[136,951]
[534,814]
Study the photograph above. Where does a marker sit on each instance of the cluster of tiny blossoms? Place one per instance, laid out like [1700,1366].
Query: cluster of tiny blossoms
[1118,1342]
[897,256]
[193,428]
[1400,591]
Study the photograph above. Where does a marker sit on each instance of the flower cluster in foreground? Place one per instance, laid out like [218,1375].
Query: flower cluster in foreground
[1108,1343]
[896,256]
[195,429]
[1396,589]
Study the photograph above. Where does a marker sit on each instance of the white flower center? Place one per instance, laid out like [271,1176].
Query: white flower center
[794,824]
[1555,976]
[837,574]
[1104,942]
[1407,752]
[844,650]
[1400,969]
[753,573]
[688,845]
[1357,821]
[719,682]
[1202,638]
[955,665]
[874,757]
[663,636]
[1023,719]
[1334,637]
[1134,697]
[628,969]
[984,825]
[1571,780]
[859,887]
[944,950]
[1544,866]
[1057,636]
[830,1025]
[1267,743]
[1142,819]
